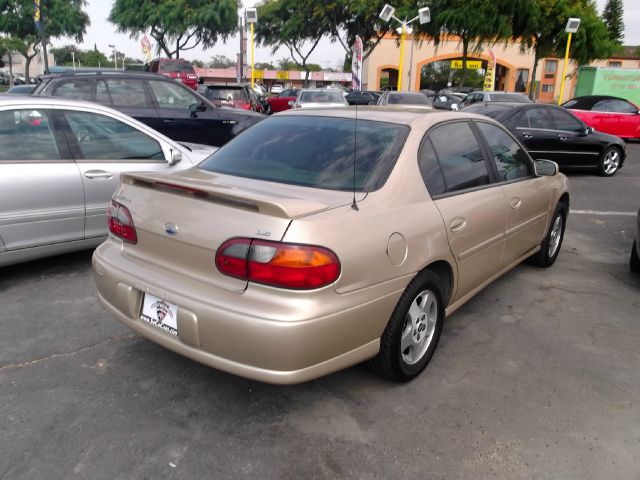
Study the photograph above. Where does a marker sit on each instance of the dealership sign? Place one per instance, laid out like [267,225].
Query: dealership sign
[471,64]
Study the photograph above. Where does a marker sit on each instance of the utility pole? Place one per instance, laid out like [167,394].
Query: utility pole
[38,18]
[241,59]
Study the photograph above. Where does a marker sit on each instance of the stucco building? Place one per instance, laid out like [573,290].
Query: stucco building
[426,66]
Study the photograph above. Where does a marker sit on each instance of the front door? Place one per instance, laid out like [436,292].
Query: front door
[178,122]
[41,193]
[105,147]
[527,199]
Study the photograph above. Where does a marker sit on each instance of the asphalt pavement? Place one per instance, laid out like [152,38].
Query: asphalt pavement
[536,377]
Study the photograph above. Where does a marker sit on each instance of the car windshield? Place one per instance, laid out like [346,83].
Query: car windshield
[314,152]
[321,96]
[176,66]
[408,99]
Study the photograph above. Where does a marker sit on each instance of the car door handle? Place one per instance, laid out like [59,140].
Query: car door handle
[169,120]
[98,174]
[457,224]
[516,203]
[528,136]
[562,137]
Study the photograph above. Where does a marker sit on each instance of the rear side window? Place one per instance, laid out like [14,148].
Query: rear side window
[460,156]
[77,89]
[430,169]
[535,118]
[127,92]
[314,152]
[27,135]
[408,99]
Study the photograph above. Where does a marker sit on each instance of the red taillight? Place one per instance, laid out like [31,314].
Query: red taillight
[300,267]
[192,76]
[121,222]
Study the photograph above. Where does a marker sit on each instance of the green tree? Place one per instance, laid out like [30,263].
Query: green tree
[94,58]
[220,61]
[543,31]
[297,25]
[177,25]
[60,18]
[612,16]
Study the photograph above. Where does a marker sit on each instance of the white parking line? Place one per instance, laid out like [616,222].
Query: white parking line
[595,212]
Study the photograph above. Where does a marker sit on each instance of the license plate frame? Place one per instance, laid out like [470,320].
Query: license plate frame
[159,313]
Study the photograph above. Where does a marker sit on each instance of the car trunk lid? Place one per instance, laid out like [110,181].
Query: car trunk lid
[181,219]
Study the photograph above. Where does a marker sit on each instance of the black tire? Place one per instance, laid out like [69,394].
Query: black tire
[603,165]
[634,261]
[544,258]
[390,361]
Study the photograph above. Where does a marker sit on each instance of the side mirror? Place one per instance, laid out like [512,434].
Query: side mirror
[583,132]
[291,103]
[546,168]
[176,157]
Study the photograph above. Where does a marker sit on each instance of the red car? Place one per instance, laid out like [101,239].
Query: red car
[612,115]
[175,68]
[280,102]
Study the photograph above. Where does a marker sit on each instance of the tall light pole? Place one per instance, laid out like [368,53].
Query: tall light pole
[571,28]
[387,13]
[115,59]
[251,15]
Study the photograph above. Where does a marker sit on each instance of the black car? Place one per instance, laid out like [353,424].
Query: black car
[164,104]
[553,133]
[362,98]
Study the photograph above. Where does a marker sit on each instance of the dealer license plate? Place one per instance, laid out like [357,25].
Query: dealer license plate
[160,313]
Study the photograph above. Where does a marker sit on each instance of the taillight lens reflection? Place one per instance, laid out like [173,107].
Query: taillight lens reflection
[121,222]
[300,267]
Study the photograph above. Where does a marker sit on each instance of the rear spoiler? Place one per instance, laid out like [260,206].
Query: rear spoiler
[245,198]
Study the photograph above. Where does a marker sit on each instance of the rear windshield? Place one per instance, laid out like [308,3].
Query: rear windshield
[509,97]
[176,66]
[323,96]
[314,152]
[408,99]
[226,94]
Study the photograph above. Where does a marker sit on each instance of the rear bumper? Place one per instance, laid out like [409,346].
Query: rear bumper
[225,331]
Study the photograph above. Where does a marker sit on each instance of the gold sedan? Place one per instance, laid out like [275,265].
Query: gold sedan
[318,240]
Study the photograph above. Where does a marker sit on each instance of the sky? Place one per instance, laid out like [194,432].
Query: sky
[327,54]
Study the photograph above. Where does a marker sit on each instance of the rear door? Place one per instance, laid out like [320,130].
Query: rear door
[538,134]
[526,195]
[41,193]
[104,147]
[472,206]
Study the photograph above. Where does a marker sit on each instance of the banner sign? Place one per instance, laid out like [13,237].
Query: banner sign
[356,64]
[37,12]
[258,74]
[146,47]
[471,64]
[489,78]
[282,75]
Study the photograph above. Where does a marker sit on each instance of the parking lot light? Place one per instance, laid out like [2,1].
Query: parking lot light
[251,16]
[387,13]
[571,28]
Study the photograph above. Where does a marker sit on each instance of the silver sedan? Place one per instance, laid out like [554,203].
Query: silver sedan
[60,162]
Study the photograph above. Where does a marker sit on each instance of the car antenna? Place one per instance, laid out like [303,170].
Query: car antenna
[354,205]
